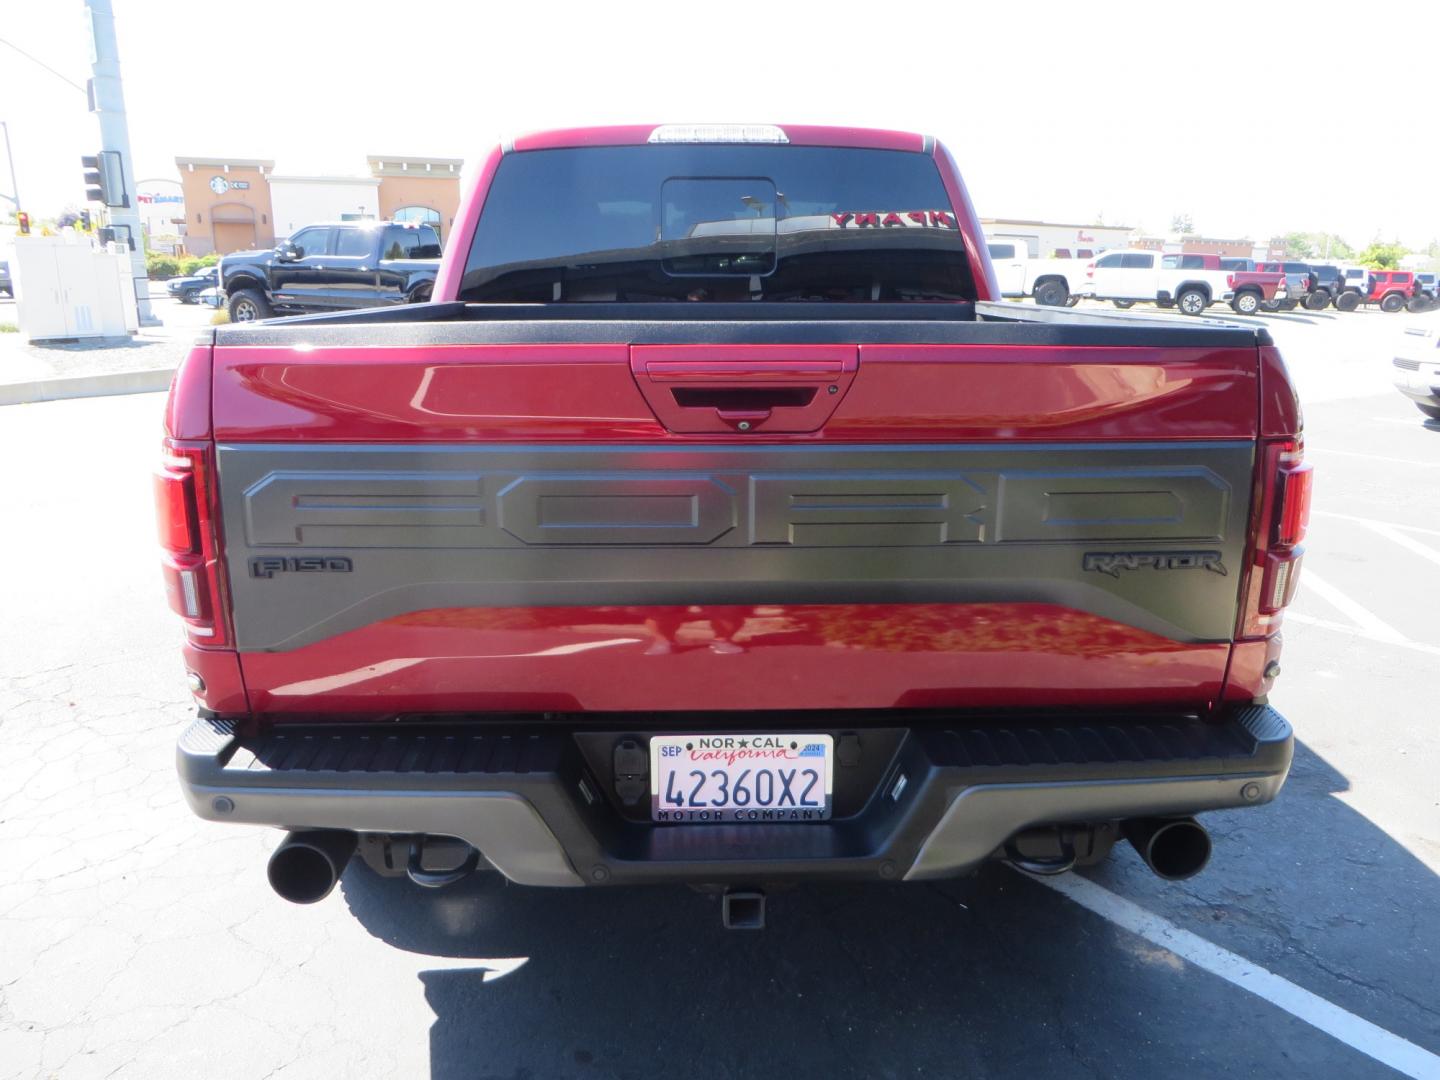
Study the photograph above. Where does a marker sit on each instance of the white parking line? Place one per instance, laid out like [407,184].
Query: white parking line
[1354,1031]
[1372,522]
[1373,457]
[1355,631]
[1409,543]
[1392,533]
[1367,623]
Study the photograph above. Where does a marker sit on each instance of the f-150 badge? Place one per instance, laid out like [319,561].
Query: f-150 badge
[267,566]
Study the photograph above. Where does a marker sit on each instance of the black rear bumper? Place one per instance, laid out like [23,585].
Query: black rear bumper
[925,798]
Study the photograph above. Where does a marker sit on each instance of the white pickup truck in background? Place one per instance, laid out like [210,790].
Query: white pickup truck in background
[1052,282]
[1190,282]
[1417,369]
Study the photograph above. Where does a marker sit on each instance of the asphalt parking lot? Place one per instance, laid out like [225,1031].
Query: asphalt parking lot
[137,941]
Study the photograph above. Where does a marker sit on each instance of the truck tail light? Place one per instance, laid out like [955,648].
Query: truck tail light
[1282,575]
[1283,502]
[1230,280]
[1292,515]
[175,513]
[190,548]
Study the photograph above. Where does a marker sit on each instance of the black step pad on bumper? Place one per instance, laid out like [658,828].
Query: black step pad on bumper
[539,806]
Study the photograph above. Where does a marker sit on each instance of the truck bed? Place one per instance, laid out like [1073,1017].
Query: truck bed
[982,322]
[459,508]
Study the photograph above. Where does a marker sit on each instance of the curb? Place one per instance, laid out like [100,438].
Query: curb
[81,386]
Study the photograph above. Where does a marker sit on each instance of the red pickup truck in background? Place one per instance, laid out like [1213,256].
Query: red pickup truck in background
[1256,289]
[715,525]
[1268,285]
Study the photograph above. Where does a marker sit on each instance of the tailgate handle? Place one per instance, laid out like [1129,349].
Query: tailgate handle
[725,399]
[770,389]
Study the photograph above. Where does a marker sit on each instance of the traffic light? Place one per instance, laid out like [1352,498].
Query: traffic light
[94,179]
[23,220]
[104,179]
[84,220]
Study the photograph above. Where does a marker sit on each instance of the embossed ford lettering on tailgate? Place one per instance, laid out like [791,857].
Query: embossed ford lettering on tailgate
[496,525]
[926,506]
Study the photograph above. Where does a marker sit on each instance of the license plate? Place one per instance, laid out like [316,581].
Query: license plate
[741,778]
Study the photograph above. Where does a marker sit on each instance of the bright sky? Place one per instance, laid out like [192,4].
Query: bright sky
[1314,116]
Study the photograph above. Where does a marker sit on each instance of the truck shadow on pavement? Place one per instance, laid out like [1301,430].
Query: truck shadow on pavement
[993,975]
[58,345]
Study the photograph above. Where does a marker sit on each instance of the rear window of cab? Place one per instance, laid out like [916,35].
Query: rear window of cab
[697,222]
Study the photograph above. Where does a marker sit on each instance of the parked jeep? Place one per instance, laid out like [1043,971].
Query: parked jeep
[1356,279]
[1427,292]
[1390,290]
[1329,283]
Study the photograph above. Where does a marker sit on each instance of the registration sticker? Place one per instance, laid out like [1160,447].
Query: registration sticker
[741,778]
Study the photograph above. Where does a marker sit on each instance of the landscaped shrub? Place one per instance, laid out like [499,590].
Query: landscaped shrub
[160,266]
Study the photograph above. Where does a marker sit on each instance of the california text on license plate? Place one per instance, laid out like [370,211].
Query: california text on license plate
[741,778]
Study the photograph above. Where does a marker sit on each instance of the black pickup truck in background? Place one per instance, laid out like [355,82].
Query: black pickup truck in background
[333,267]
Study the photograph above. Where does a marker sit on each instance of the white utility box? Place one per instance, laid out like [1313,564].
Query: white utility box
[65,288]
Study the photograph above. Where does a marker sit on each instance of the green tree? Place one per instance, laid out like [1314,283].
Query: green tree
[1317,245]
[1298,245]
[1339,249]
[1380,256]
[1183,224]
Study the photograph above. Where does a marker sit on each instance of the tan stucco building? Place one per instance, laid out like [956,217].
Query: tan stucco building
[409,187]
[227,204]
[1188,244]
[231,204]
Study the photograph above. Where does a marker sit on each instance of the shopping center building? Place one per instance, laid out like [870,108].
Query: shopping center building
[234,204]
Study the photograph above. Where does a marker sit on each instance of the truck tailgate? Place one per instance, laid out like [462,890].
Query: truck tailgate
[571,517]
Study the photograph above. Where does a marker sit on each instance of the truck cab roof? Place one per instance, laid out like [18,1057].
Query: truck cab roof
[792,134]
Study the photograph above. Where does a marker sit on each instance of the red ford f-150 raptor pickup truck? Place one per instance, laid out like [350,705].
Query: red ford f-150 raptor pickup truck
[715,525]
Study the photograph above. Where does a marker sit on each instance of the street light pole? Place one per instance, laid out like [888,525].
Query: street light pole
[107,102]
[14,195]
